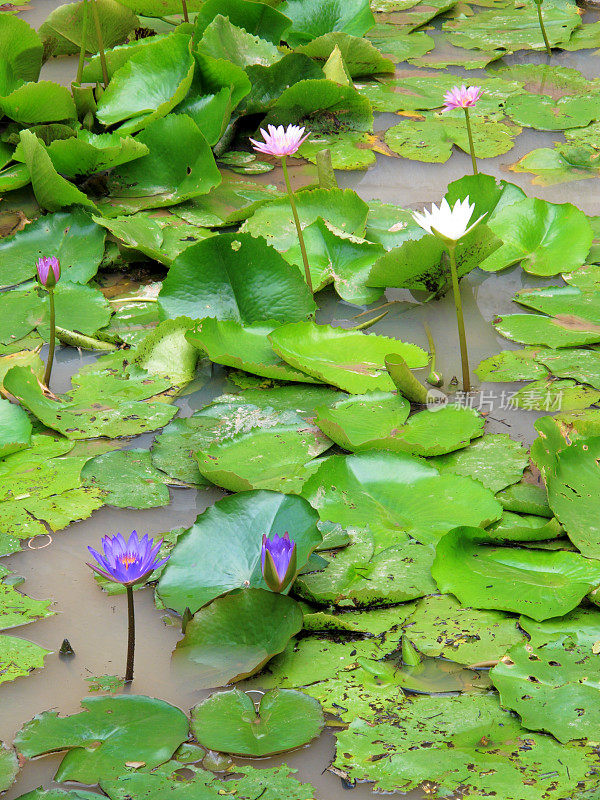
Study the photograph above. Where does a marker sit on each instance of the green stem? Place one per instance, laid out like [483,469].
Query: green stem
[84,27]
[185,11]
[471,145]
[464,356]
[297,221]
[100,43]
[52,339]
[542,27]
[130,635]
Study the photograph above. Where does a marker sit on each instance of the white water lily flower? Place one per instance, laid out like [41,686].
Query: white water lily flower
[449,224]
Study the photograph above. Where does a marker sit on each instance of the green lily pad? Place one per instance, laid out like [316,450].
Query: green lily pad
[562,330]
[18,609]
[571,492]
[339,258]
[562,302]
[554,395]
[325,106]
[15,429]
[313,18]
[126,479]
[259,20]
[71,237]
[76,420]
[244,347]
[446,54]
[348,149]
[432,138]
[62,29]
[406,16]
[223,40]
[274,221]
[9,767]
[58,794]
[545,113]
[179,165]
[534,232]
[169,780]
[464,741]
[376,422]
[234,276]
[149,85]
[21,48]
[364,574]
[230,722]
[495,460]
[581,365]
[524,528]
[514,28]
[322,351]
[236,635]
[440,626]
[166,353]
[18,658]
[512,365]
[552,681]
[221,552]
[484,576]
[561,164]
[233,200]
[103,738]
[525,498]
[30,103]
[396,492]
[402,46]
[88,152]
[360,57]
[374,621]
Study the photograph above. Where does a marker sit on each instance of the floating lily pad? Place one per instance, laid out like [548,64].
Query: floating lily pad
[223,40]
[396,492]
[235,276]
[72,237]
[230,722]
[9,767]
[484,576]
[402,46]
[432,139]
[465,741]
[495,460]
[364,574]
[179,165]
[18,658]
[313,18]
[222,550]
[552,681]
[359,56]
[322,351]
[545,113]
[547,238]
[581,365]
[62,29]
[126,479]
[18,609]
[21,48]
[561,164]
[440,626]
[376,422]
[121,729]
[524,528]
[245,347]
[236,635]
[554,395]
[512,365]
[525,498]
[15,429]
[563,330]
[266,22]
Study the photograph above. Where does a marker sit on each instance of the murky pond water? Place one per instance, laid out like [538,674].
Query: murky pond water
[94,623]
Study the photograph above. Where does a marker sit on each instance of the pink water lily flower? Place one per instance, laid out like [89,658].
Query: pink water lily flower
[279,141]
[48,270]
[462,97]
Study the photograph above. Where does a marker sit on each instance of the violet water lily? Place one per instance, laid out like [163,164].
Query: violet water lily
[278,559]
[450,225]
[464,97]
[48,270]
[283,142]
[128,562]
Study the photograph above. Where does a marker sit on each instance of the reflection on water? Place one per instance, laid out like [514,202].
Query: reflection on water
[95,623]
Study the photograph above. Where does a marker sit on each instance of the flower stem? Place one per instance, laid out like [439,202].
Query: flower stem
[542,27]
[297,221]
[51,344]
[130,635]
[464,357]
[100,43]
[471,145]
[185,11]
[84,27]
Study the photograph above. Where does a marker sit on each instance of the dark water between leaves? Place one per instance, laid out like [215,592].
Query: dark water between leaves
[95,623]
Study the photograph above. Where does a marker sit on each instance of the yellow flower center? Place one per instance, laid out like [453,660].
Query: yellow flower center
[127,560]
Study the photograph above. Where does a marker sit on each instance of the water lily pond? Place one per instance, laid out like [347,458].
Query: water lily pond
[300,413]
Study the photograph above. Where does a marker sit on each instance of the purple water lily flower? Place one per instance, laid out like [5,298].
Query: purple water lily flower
[278,558]
[48,270]
[127,562]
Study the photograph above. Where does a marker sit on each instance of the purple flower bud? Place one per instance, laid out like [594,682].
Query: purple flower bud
[278,558]
[127,562]
[48,270]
